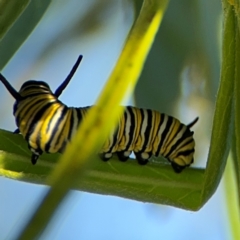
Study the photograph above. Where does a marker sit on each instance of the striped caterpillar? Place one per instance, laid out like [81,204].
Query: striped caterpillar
[48,125]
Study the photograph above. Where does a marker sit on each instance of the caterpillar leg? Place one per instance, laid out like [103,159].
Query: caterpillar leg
[17,131]
[35,154]
[177,168]
[123,155]
[105,156]
[34,158]
[142,157]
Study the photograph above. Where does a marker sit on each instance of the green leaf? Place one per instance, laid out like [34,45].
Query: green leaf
[156,182]
[10,11]
[22,28]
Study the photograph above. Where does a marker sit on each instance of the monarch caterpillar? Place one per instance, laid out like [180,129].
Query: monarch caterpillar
[48,125]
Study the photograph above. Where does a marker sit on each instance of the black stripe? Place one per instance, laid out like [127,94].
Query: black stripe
[56,130]
[186,152]
[50,121]
[79,115]
[125,121]
[148,130]
[141,121]
[159,126]
[190,140]
[34,83]
[114,140]
[174,146]
[36,119]
[35,95]
[33,124]
[27,108]
[71,123]
[133,121]
[185,135]
[165,132]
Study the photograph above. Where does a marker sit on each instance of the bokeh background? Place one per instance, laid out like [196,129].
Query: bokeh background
[180,78]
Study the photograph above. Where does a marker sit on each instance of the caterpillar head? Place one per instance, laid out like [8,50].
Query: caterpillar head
[32,89]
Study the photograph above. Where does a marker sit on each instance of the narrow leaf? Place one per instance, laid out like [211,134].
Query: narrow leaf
[10,11]
[223,117]
[22,28]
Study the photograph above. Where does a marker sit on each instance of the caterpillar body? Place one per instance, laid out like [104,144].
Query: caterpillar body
[48,125]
